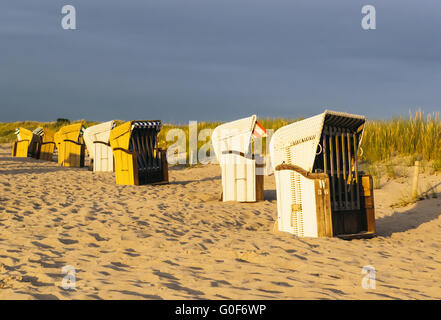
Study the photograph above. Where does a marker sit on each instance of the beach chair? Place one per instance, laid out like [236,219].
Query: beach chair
[232,143]
[96,139]
[26,144]
[70,144]
[46,143]
[320,192]
[138,160]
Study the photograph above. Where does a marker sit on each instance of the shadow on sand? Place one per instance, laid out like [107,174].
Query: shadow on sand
[424,211]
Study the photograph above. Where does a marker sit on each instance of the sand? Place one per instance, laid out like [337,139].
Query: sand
[178,241]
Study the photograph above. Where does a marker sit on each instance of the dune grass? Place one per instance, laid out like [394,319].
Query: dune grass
[7,129]
[417,137]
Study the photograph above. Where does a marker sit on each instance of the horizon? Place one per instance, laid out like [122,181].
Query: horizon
[410,114]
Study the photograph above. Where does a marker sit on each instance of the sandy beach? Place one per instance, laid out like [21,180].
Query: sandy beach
[178,241]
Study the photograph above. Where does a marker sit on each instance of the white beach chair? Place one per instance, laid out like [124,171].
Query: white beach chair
[96,139]
[320,192]
[232,146]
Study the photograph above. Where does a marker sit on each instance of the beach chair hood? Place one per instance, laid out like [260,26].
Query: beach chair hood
[298,143]
[45,134]
[71,132]
[24,134]
[99,132]
[120,135]
[233,136]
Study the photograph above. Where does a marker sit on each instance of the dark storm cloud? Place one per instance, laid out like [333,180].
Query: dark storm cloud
[217,60]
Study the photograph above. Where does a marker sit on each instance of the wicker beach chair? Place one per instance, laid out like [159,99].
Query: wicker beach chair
[138,160]
[70,144]
[96,139]
[46,143]
[320,192]
[232,145]
[26,144]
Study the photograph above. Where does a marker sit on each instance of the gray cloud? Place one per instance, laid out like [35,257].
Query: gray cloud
[180,60]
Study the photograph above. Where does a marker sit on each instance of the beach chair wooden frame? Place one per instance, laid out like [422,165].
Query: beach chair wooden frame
[138,160]
[242,171]
[320,192]
[70,144]
[97,142]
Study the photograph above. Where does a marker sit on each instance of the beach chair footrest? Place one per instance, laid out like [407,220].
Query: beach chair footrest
[360,235]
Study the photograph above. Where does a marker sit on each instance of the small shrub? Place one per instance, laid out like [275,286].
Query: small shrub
[62,122]
[390,171]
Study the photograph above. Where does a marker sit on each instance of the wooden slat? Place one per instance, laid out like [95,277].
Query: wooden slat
[344,182]
[368,193]
[351,186]
[323,204]
[328,211]
[325,150]
[164,165]
[333,178]
[339,179]
[320,217]
[259,186]
[357,187]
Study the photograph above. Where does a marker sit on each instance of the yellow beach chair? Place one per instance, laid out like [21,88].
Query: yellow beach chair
[70,144]
[26,144]
[46,144]
[138,160]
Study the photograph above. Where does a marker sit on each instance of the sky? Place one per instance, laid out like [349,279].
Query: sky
[206,60]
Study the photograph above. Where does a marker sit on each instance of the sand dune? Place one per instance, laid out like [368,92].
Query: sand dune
[178,241]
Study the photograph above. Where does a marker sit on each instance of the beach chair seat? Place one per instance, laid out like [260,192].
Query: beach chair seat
[96,139]
[242,180]
[26,144]
[70,144]
[138,160]
[320,192]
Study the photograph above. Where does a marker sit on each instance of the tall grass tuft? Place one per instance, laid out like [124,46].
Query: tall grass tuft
[418,136]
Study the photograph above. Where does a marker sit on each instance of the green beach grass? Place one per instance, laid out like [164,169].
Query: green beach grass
[417,137]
